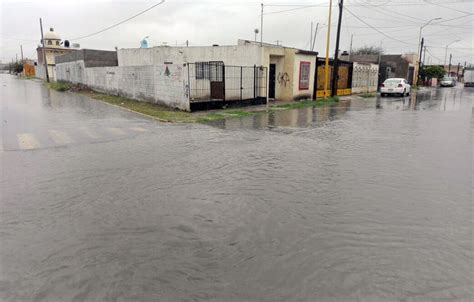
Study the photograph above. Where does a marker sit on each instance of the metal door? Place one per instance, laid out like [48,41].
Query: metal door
[216,76]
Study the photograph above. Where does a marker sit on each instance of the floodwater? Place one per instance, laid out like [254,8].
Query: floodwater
[366,200]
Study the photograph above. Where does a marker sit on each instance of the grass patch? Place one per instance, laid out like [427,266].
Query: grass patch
[367,95]
[167,114]
[309,103]
[160,112]
[59,86]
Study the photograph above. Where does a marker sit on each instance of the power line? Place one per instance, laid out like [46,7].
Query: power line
[381,32]
[293,9]
[447,7]
[398,15]
[444,21]
[121,22]
[433,56]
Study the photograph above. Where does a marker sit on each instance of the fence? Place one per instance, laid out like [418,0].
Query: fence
[215,82]
[344,77]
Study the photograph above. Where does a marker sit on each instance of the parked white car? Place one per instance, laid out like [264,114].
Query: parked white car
[395,86]
[448,82]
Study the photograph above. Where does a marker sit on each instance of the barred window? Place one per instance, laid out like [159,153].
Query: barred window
[304,75]
[202,70]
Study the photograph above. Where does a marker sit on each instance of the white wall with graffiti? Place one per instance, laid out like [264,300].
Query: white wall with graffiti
[163,84]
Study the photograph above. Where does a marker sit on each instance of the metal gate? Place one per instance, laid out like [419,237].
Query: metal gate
[214,82]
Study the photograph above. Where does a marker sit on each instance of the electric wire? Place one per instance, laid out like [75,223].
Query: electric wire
[119,23]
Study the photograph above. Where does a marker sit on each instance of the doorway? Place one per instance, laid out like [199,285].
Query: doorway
[272,77]
[216,76]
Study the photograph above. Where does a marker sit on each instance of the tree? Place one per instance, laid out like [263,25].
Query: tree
[432,71]
[368,50]
[17,67]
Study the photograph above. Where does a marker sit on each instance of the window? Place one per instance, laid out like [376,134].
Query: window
[216,73]
[304,75]
[50,42]
[202,70]
[57,42]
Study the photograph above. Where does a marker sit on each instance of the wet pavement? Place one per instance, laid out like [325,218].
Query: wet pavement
[365,200]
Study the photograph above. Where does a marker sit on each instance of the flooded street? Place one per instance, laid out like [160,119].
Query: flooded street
[365,200]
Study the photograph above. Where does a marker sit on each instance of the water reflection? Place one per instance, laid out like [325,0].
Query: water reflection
[427,99]
[295,118]
[430,99]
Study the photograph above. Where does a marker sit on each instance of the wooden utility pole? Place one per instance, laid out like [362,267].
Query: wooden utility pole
[419,61]
[350,48]
[314,38]
[424,55]
[261,25]
[449,68]
[326,65]
[311,36]
[44,52]
[336,52]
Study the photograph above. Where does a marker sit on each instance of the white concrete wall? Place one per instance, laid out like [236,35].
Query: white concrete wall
[238,55]
[148,83]
[364,77]
[41,74]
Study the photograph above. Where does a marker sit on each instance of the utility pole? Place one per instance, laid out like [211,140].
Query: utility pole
[261,26]
[457,72]
[424,55]
[446,50]
[350,48]
[417,72]
[336,53]
[419,61]
[449,68]
[44,52]
[311,36]
[314,38]
[326,65]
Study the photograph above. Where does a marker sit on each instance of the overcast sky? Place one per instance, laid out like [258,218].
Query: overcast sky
[206,22]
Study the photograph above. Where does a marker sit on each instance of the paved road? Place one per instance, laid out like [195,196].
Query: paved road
[34,117]
[367,200]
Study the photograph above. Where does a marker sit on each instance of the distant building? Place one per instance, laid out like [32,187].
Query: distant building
[454,71]
[391,66]
[29,68]
[53,46]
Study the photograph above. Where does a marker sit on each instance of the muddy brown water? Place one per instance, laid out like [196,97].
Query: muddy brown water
[366,200]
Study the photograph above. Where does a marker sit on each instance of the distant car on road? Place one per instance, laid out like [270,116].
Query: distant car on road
[469,77]
[395,86]
[447,82]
